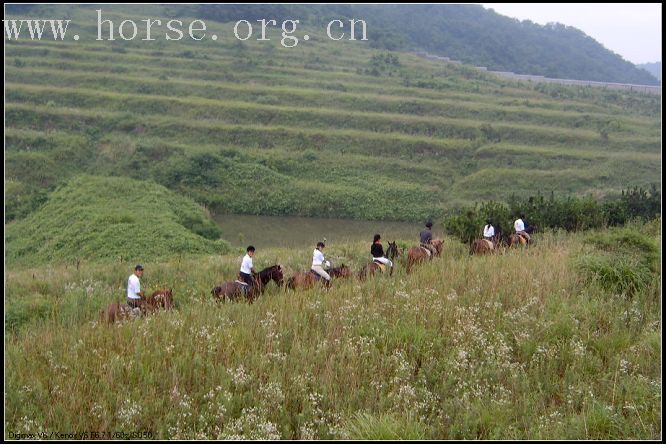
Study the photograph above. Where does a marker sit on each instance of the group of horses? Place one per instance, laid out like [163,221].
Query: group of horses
[235,290]
[497,243]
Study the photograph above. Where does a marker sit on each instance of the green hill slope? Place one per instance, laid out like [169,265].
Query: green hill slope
[324,129]
[110,217]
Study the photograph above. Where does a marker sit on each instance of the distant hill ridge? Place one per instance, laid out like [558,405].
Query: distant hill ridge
[653,68]
[469,33]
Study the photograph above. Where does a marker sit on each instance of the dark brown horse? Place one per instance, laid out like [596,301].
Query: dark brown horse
[419,254]
[308,279]
[370,269]
[233,290]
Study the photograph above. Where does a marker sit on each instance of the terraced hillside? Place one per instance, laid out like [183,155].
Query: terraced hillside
[325,128]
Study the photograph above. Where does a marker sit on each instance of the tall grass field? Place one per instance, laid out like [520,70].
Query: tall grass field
[531,344]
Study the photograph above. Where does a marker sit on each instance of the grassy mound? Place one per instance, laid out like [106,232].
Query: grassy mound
[107,217]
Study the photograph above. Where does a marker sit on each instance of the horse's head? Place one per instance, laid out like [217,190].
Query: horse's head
[393,251]
[438,244]
[274,273]
[278,275]
[161,299]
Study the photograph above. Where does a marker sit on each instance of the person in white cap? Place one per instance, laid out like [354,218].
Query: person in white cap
[318,260]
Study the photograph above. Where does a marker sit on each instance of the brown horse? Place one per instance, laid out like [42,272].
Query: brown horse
[308,279]
[233,290]
[118,311]
[517,239]
[370,269]
[482,246]
[419,254]
[160,299]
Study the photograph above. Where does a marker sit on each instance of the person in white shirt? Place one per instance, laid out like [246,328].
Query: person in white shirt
[318,260]
[135,297]
[247,268]
[489,231]
[519,226]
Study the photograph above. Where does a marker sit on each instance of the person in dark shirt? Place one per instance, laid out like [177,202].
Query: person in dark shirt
[377,251]
[426,238]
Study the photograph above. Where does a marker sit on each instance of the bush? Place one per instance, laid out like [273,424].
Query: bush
[615,274]
[626,261]
[570,213]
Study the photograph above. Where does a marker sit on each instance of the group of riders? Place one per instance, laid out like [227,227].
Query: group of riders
[135,297]
[492,236]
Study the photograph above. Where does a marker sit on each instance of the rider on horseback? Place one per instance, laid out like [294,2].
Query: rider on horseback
[519,226]
[317,261]
[135,297]
[489,232]
[247,269]
[426,239]
[377,252]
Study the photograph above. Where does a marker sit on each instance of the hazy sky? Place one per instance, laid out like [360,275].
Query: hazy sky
[632,30]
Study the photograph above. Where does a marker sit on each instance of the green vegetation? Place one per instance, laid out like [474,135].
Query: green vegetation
[624,261]
[516,346]
[331,129]
[569,213]
[95,217]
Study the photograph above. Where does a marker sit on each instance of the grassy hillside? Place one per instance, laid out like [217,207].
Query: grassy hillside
[327,128]
[111,217]
[560,341]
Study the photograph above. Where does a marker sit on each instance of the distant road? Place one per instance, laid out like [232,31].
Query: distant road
[650,89]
